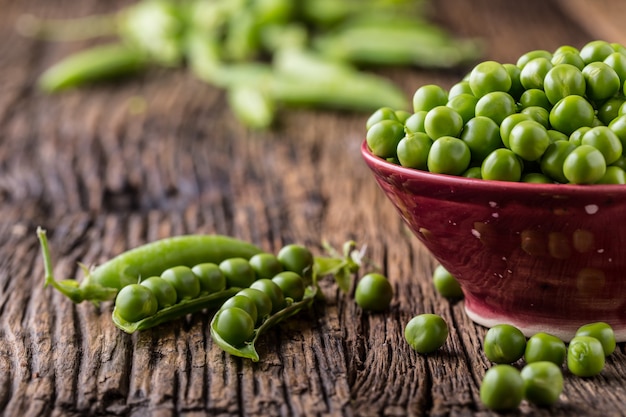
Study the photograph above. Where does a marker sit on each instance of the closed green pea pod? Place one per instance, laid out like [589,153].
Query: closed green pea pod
[184,281]
[103,282]
[95,64]
[211,277]
[164,292]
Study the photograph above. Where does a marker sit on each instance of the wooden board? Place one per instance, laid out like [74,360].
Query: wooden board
[109,167]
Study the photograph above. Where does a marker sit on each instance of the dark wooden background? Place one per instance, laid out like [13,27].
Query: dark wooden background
[107,168]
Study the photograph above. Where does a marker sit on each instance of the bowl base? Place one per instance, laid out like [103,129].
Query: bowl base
[563,332]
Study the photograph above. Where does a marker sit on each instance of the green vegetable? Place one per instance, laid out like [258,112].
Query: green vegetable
[502,388]
[601,331]
[94,64]
[426,333]
[542,347]
[504,344]
[373,292]
[543,382]
[103,282]
[585,356]
[448,155]
[446,284]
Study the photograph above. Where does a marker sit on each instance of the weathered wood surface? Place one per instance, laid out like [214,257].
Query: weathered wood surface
[103,177]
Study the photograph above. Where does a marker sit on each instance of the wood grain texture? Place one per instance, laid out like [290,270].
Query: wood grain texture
[109,167]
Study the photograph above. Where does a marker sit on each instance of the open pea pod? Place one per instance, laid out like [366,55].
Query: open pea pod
[248,350]
[208,301]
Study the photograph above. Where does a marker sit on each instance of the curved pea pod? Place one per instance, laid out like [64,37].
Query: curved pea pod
[103,282]
[180,309]
[103,62]
[248,350]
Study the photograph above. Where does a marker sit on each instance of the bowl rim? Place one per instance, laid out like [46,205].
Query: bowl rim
[486,185]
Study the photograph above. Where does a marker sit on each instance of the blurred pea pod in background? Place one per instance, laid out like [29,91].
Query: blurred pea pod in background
[267,54]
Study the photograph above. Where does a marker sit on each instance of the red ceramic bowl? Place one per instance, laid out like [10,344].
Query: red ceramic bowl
[543,257]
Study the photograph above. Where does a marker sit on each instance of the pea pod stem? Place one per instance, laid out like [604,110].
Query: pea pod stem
[208,301]
[103,282]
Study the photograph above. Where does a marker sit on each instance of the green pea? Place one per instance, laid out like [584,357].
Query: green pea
[373,292]
[534,72]
[482,136]
[536,178]
[296,258]
[462,87]
[538,114]
[291,284]
[238,272]
[605,140]
[509,123]
[415,122]
[555,136]
[443,121]
[577,135]
[428,97]
[553,159]
[563,80]
[489,76]
[502,388]
[596,50]
[601,331]
[262,301]
[402,115]
[609,110]
[535,97]
[464,105]
[245,303]
[265,265]
[164,292]
[211,277]
[529,56]
[543,382]
[584,165]
[617,61]
[383,113]
[517,89]
[135,302]
[446,284]
[504,343]
[472,172]
[601,81]
[501,165]
[184,281]
[496,105]
[613,175]
[585,356]
[568,58]
[618,126]
[570,113]
[448,155]
[426,333]
[529,140]
[413,150]
[542,347]
[273,291]
[234,325]
[383,137]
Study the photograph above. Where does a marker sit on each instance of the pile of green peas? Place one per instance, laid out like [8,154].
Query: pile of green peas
[540,379]
[552,117]
[181,284]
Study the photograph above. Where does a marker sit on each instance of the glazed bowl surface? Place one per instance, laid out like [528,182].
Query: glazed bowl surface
[543,257]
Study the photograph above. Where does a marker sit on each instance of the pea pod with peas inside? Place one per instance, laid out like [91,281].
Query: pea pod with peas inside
[103,282]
